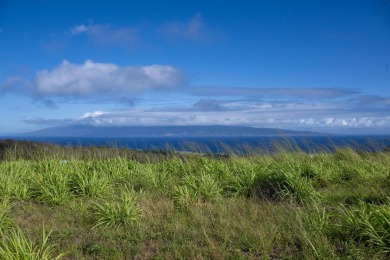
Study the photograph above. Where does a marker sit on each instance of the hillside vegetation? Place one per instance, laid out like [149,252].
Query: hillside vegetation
[107,203]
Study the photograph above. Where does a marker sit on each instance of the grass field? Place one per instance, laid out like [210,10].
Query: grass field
[107,203]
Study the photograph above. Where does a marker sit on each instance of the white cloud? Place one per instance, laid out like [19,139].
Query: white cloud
[92,114]
[104,79]
[104,34]
[348,122]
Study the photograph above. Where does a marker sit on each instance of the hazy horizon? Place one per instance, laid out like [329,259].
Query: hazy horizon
[321,66]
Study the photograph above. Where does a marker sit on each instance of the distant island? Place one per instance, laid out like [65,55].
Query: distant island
[163,131]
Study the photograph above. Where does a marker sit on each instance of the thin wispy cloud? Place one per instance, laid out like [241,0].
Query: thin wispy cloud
[193,29]
[209,105]
[371,101]
[305,93]
[105,34]
[49,104]
[16,85]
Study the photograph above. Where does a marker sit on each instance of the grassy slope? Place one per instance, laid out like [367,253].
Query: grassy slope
[105,204]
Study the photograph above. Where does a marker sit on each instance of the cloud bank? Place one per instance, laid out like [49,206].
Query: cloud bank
[316,116]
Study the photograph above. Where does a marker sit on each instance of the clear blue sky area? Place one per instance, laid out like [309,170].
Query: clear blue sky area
[303,65]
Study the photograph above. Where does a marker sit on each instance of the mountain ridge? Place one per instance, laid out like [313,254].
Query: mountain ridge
[163,131]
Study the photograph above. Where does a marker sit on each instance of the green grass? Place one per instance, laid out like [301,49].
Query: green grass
[15,245]
[101,203]
[5,219]
[115,214]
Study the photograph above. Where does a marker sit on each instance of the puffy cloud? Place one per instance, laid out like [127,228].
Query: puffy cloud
[104,34]
[90,78]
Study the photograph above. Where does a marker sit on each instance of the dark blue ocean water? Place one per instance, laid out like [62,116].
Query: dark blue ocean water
[227,144]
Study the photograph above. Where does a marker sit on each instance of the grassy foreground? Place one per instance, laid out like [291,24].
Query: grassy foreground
[90,203]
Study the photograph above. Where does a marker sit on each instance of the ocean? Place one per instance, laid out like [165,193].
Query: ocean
[239,145]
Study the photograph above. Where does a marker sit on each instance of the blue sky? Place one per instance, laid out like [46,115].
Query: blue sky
[303,65]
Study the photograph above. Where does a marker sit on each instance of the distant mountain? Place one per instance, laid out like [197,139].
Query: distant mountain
[155,131]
